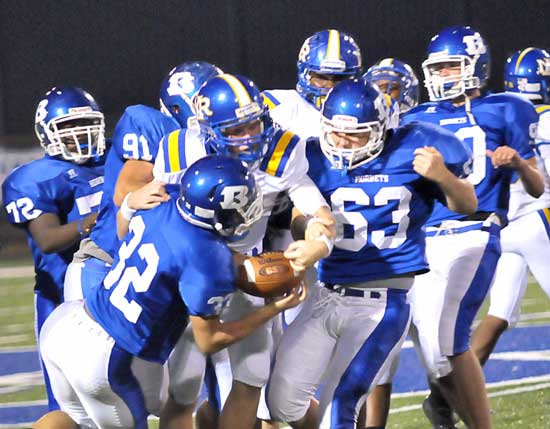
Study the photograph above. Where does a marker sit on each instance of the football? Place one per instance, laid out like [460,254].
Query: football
[267,275]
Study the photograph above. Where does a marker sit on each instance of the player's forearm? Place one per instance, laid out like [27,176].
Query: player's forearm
[134,175]
[531,177]
[58,238]
[459,194]
[228,333]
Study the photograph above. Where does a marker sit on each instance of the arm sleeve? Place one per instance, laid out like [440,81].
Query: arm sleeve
[203,289]
[521,121]
[301,189]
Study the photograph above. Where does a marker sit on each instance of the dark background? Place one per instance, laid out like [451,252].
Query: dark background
[120,50]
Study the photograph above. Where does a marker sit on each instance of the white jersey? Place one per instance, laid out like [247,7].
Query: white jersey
[521,203]
[292,112]
[283,169]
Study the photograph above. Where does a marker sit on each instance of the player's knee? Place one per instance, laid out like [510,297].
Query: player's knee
[283,404]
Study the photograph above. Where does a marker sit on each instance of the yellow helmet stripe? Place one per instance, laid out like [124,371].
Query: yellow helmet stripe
[542,108]
[523,53]
[243,98]
[333,45]
[173,151]
[386,62]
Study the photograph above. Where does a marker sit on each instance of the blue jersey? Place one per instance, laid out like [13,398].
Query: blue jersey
[381,207]
[495,120]
[162,273]
[136,137]
[50,185]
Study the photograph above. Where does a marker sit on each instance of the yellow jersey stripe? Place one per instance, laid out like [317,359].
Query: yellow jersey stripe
[547,215]
[173,151]
[541,109]
[267,101]
[333,45]
[523,53]
[238,89]
[278,153]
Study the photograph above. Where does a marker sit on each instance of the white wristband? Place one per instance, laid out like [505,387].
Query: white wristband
[126,212]
[328,242]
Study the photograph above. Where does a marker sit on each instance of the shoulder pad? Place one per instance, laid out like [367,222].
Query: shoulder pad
[279,152]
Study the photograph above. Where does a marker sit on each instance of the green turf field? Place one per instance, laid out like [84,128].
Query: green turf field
[525,405]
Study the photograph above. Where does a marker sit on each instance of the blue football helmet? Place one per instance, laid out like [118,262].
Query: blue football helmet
[228,101]
[528,72]
[352,107]
[179,88]
[327,52]
[391,75]
[458,46]
[70,124]
[220,193]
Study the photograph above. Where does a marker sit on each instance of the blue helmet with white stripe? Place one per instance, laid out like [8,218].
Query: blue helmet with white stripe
[464,48]
[527,72]
[392,75]
[232,113]
[180,86]
[327,52]
[220,193]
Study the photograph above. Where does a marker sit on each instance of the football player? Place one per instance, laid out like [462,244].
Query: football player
[381,185]
[525,241]
[160,279]
[232,114]
[463,250]
[129,166]
[326,58]
[397,80]
[55,199]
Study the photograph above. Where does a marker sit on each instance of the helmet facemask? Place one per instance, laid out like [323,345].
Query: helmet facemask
[348,159]
[250,149]
[454,85]
[76,137]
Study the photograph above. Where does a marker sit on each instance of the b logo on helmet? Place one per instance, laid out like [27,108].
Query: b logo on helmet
[181,83]
[474,44]
[41,111]
[304,52]
[202,106]
[234,197]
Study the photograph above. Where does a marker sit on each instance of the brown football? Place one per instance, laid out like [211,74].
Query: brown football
[267,275]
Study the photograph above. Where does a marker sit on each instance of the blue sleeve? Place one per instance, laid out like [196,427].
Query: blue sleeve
[457,156]
[521,120]
[130,139]
[25,199]
[208,279]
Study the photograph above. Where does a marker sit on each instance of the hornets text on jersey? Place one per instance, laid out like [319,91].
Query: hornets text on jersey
[159,277]
[136,137]
[495,120]
[382,206]
[50,185]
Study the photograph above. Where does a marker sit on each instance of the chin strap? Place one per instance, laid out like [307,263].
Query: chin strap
[468,108]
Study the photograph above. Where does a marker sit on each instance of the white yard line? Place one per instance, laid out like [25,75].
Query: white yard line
[18,272]
[523,389]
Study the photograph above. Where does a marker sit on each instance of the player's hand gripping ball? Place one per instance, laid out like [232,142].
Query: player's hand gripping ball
[268,275]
